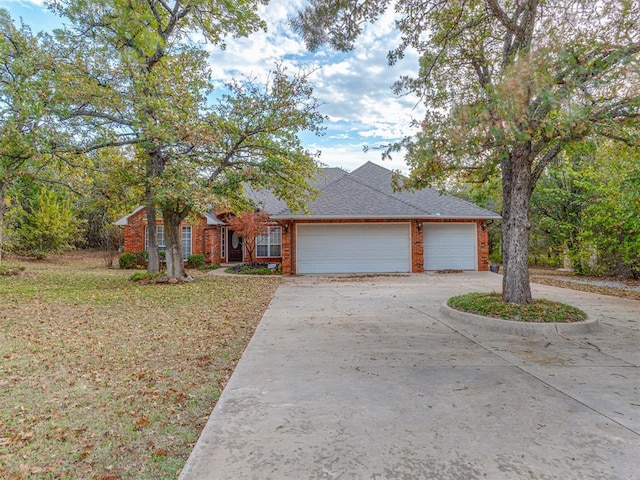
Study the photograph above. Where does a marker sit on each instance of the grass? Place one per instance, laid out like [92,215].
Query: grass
[491,305]
[8,269]
[107,379]
[554,278]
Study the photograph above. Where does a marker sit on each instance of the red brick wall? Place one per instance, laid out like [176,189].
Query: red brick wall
[204,239]
[288,266]
[134,232]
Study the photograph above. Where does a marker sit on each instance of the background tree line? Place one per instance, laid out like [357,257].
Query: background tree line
[585,211]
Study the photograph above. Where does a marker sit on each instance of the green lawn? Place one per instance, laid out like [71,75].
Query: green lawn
[104,378]
[491,305]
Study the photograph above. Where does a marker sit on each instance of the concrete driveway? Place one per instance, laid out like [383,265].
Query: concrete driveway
[364,378]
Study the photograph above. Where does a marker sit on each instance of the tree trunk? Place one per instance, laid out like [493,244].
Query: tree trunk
[173,237]
[516,189]
[153,262]
[3,210]
[155,166]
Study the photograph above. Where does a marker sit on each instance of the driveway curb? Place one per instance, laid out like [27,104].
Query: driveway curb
[526,329]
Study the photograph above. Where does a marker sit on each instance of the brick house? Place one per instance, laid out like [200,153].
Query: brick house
[358,224]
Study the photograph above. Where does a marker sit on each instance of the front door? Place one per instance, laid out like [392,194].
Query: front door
[234,243]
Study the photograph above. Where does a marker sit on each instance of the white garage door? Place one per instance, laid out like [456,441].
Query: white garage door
[353,248]
[450,246]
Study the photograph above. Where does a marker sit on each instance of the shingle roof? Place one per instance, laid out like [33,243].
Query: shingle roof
[268,202]
[367,192]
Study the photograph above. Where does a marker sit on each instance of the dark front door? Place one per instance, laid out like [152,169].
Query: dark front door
[234,243]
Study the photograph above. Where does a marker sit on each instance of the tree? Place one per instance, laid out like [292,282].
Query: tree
[24,97]
[610,221]
[45,224]
[557,206]
[250,136]
[139,80]
[587,210]
[248,225]
[508,84]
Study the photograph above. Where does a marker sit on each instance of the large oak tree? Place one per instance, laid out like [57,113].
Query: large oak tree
[508,85]
[137,76]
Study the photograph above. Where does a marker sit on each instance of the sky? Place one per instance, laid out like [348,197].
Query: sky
[354,88]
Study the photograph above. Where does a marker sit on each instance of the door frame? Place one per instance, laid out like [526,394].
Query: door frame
[228,246]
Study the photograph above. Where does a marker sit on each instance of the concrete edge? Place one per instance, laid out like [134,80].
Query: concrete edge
[520,328]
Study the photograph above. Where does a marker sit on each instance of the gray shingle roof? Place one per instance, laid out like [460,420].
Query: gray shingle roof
[268,202]
[367,193]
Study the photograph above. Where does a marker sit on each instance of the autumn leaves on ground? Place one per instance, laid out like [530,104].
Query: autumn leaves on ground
[101,378]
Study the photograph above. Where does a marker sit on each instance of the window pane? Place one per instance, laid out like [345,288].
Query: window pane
[160,237]
[276,241]
[261,250]
[186,242]
[276,235]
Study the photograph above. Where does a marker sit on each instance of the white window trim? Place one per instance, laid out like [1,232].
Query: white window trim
[269,243]
[188,228]
[163,245]
[223,242]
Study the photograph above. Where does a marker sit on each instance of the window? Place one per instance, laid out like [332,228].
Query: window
[159,238]
[162,244]
[186,242]
[223,242]
[269,243]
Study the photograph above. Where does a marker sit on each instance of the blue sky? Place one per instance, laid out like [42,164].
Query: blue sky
[355,88]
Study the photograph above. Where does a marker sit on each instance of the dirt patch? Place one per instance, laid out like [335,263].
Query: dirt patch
[613,286]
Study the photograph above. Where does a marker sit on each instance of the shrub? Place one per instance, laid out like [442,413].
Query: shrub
[209,266]
[128,261]
[196,260]
[255,268]
[44,224]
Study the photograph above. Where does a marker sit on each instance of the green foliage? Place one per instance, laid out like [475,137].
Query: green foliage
[143,276]
[45,224]
[10,269]
[491,305]
[128,261]
[255,268]
[25,98]
[209,266]
[196,260]
[137,84]
[587,211]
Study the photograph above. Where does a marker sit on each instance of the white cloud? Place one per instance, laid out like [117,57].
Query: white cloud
[354,87]
[350,156]
[37,3]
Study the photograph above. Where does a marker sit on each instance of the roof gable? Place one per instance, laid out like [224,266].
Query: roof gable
[368,192]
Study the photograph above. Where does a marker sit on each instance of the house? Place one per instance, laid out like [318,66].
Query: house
[358,224]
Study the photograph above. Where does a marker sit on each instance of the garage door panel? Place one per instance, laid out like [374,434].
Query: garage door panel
[450,246]
[353,248]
